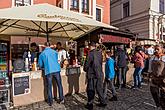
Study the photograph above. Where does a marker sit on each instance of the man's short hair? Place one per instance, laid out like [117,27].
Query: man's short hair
[47,44]
[108,52]
[138,48]
[33,44]
[59,43]
[93,44]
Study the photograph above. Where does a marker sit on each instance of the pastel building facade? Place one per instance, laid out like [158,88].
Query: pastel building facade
[95,9]
[145,18]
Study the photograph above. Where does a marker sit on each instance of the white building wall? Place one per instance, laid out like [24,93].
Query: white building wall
[155,20]
[116,11]
[154,5]
[141,19]
[137,22]
[138,6]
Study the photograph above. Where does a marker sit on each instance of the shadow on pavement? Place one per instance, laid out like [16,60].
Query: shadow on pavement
[72,103]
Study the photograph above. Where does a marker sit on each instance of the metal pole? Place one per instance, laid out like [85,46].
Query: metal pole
[47,32]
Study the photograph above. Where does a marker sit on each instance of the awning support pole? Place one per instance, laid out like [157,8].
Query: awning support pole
[47,32]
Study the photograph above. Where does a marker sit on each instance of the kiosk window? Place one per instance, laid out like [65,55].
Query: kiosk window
[23,2]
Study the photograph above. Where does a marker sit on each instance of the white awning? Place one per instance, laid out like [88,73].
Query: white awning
[46,19]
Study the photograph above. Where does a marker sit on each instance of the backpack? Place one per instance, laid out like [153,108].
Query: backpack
[158,72]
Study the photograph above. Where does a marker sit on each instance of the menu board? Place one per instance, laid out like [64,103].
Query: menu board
[21,84]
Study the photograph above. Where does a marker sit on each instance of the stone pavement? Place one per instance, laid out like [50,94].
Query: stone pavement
[128,99]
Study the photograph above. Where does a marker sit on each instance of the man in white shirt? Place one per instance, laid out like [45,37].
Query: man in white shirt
[62,53]
[150,50]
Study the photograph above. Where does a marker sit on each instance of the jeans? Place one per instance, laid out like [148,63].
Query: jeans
[112,87]
[121,76]
[57,77]
[93,84]
[137,76]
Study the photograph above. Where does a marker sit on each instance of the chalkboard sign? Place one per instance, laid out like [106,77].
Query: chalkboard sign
[21,84]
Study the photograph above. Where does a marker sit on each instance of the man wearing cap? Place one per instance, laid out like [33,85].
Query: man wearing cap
[93,68]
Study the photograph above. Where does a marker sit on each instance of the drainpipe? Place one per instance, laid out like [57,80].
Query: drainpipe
[153,27]
[158,29]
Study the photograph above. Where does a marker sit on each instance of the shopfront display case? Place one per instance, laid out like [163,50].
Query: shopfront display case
[4,75]
[4,90]
[4,55]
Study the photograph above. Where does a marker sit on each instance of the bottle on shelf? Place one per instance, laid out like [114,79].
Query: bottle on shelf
[29,58]
[5,96]
[34,67]
[7,83]
[76,61]
[26,64]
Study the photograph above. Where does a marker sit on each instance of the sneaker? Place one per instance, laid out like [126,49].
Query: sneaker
[114,98]
[124,86]
[102,104]
[120,87]
[140,87]
[50,104]
[60,101]
[134,87]
[67,95]
[89,106]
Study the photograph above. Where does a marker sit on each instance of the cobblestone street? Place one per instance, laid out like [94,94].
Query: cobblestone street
[128,99]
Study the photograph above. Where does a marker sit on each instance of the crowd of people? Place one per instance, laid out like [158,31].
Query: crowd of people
[150,60]
[116,67]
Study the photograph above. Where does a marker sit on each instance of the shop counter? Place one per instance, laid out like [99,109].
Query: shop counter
[30,87]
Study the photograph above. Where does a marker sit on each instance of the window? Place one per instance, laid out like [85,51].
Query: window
[59,3]
[75,4]
[22,2]
[85,6]
[98,14]
[161,6]
[126,9]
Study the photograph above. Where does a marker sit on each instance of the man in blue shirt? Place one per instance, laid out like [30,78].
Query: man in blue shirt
[48,60]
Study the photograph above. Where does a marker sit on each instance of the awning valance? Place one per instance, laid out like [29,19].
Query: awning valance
[114,39]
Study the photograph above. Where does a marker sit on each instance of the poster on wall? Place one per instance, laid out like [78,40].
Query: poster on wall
[72,45]
[21,84]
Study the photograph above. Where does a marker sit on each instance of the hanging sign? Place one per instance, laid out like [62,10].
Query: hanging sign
[114,39]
